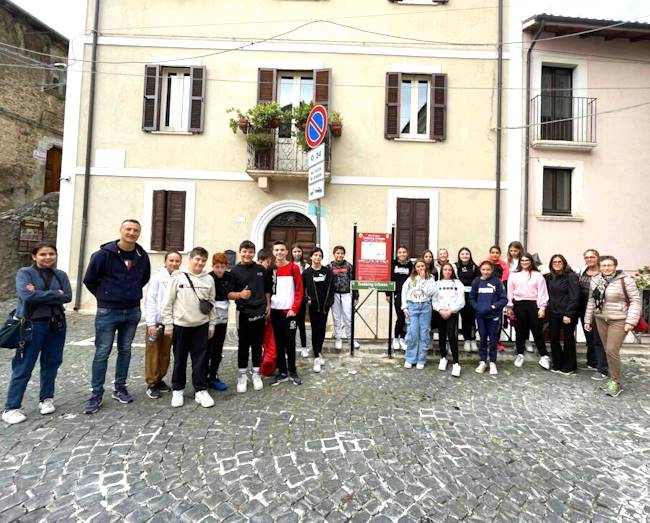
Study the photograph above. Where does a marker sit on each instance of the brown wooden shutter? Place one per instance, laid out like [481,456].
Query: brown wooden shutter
[175,226]
[403,225]
[420,225]
[322,86]
[158,217]
[151,104]
[391,118]
[412,227]
[438,126]
[197,99]
[266,85]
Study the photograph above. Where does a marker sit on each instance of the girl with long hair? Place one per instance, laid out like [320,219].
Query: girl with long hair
[416,304]
[297,256]
[467,271]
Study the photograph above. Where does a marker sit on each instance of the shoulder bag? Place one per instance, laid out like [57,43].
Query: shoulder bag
[205,306]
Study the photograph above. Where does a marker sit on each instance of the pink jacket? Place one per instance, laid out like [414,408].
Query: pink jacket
[525,285]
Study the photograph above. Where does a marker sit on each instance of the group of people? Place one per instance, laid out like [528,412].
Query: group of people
[434,294]
[186,314]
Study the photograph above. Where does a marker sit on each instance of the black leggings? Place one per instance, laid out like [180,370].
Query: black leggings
[300,320]
[284,331]
[527,322]
[400,322]
[448,330]
[318,324]
[564,358]
[215,350]
[468,320]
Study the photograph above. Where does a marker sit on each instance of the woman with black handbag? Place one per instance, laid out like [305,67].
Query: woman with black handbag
[41,290]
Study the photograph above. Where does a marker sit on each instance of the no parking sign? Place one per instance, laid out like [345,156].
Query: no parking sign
[316,126]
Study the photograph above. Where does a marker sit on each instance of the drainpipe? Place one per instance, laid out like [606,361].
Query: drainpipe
[524,235]
[89,149]
[497,218]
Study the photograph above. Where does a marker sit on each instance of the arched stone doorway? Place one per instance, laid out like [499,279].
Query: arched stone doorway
[291,227]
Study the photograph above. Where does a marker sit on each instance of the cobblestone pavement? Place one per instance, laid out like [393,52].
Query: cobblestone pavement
[365,440]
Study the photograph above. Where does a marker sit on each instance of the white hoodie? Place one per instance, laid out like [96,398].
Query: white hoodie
[449,294]
[417,290]
[156,291]
[181,306]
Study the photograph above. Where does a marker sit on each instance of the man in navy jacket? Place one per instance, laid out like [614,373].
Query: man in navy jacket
[116,274]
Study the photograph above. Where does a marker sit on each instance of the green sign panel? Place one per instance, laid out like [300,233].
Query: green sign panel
[384,286]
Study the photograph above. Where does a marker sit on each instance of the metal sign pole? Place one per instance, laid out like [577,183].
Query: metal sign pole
[318,222]
[391,294]
[354,277]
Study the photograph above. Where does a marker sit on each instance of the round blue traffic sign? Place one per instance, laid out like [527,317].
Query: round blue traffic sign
[316,126]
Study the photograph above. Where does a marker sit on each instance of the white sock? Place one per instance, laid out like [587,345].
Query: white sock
[242,371]
[256,370]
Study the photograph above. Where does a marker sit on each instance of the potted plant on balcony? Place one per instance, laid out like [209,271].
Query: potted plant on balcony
[240,121]
[268,115]
[336,124]
[260,140]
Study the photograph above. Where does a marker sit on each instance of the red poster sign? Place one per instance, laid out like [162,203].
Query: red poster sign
[373,258]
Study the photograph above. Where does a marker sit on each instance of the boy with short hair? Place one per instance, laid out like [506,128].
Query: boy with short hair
[251,290]
[223,285]
[264,259]
[286,301]
[343,273]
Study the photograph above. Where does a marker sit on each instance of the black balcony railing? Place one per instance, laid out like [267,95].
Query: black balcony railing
[280,154]
[563,118]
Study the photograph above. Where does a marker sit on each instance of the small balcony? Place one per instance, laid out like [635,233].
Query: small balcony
[273,157]
[563,122]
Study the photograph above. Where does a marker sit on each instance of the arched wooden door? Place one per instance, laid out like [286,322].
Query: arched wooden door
[291,227]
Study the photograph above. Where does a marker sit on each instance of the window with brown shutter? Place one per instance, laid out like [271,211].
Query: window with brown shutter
[391,117]
[412,227]
[266,85]
[197,99]
[322,86]
[168,221]
[438,127]
[151,104]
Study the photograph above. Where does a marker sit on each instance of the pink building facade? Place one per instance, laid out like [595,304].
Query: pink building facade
[588,156]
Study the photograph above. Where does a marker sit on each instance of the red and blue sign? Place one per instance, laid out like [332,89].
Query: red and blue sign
[316,126]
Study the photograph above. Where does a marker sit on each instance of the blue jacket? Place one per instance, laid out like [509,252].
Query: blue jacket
[488,297]
[42,303]
[113,284]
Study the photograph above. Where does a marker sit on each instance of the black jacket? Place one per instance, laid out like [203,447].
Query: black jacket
[258,280]
[467,273]
[343,274]
[222,285]
[319,288]
[399,273]
[563,294]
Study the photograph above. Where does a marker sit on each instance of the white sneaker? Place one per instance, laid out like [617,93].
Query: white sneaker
[420,366]
[258,384]
[474,346]
[321,360]
[13,416]
[519,360]
[177,398]
[396,345]
[402,343]
[305,352]
[339,344]
[493,369]
[455,369]
[47,406]
[443,364]
[316,364]
[467,346]
[545,362]
[481,367]
[529,346]
[408,365]
[204,399]
[356,344]
[242,382]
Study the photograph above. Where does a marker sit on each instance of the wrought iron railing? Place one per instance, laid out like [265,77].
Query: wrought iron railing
[563,118]
[280,154]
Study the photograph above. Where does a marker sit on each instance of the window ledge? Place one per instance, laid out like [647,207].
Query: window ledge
[417,140]
[551,218]
[562,145]
[176,133]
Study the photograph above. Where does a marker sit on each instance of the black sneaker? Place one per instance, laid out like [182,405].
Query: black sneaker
[295,379]
[154,392]
[279,378]
[163,387]
[93,403]
[122,395]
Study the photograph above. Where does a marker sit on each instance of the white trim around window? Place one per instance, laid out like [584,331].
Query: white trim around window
[190,205]
[415,93]
[577,192]
[432,195]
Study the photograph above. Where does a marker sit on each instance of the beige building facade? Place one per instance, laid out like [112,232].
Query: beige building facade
[417,148]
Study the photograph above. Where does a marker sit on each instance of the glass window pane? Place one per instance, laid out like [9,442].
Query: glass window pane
[547,203]
[285,98]
[185,101]
[306,89]
[564,191]
[405,108]
[423,91]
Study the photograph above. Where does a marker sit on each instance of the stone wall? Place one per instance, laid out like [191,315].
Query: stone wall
[45,209]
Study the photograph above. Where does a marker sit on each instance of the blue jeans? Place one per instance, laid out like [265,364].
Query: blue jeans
[50,347]
[488,328]
[107,322]
[417,332]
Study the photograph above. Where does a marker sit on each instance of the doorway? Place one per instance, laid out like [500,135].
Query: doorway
[52,180]
[291,227]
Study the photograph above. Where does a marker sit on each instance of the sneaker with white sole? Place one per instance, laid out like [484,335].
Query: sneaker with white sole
[47,406]
[519,360]
[467,346]
[338,344]
[408,365]
[529,346]
[177,398]
[493,369]
[316,365]
[545,362]
[420,366]
[321,360]
[356,345]
[305,352]
[258,384]
[481,367]
[474,346]
[599,377]
[13,416]
[455,370]
[402,343]
[395,345]
[443,364]
[204,399]
[242,382]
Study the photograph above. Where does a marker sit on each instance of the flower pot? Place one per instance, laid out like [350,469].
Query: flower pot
[275,123]
[336,128]
[243,124]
